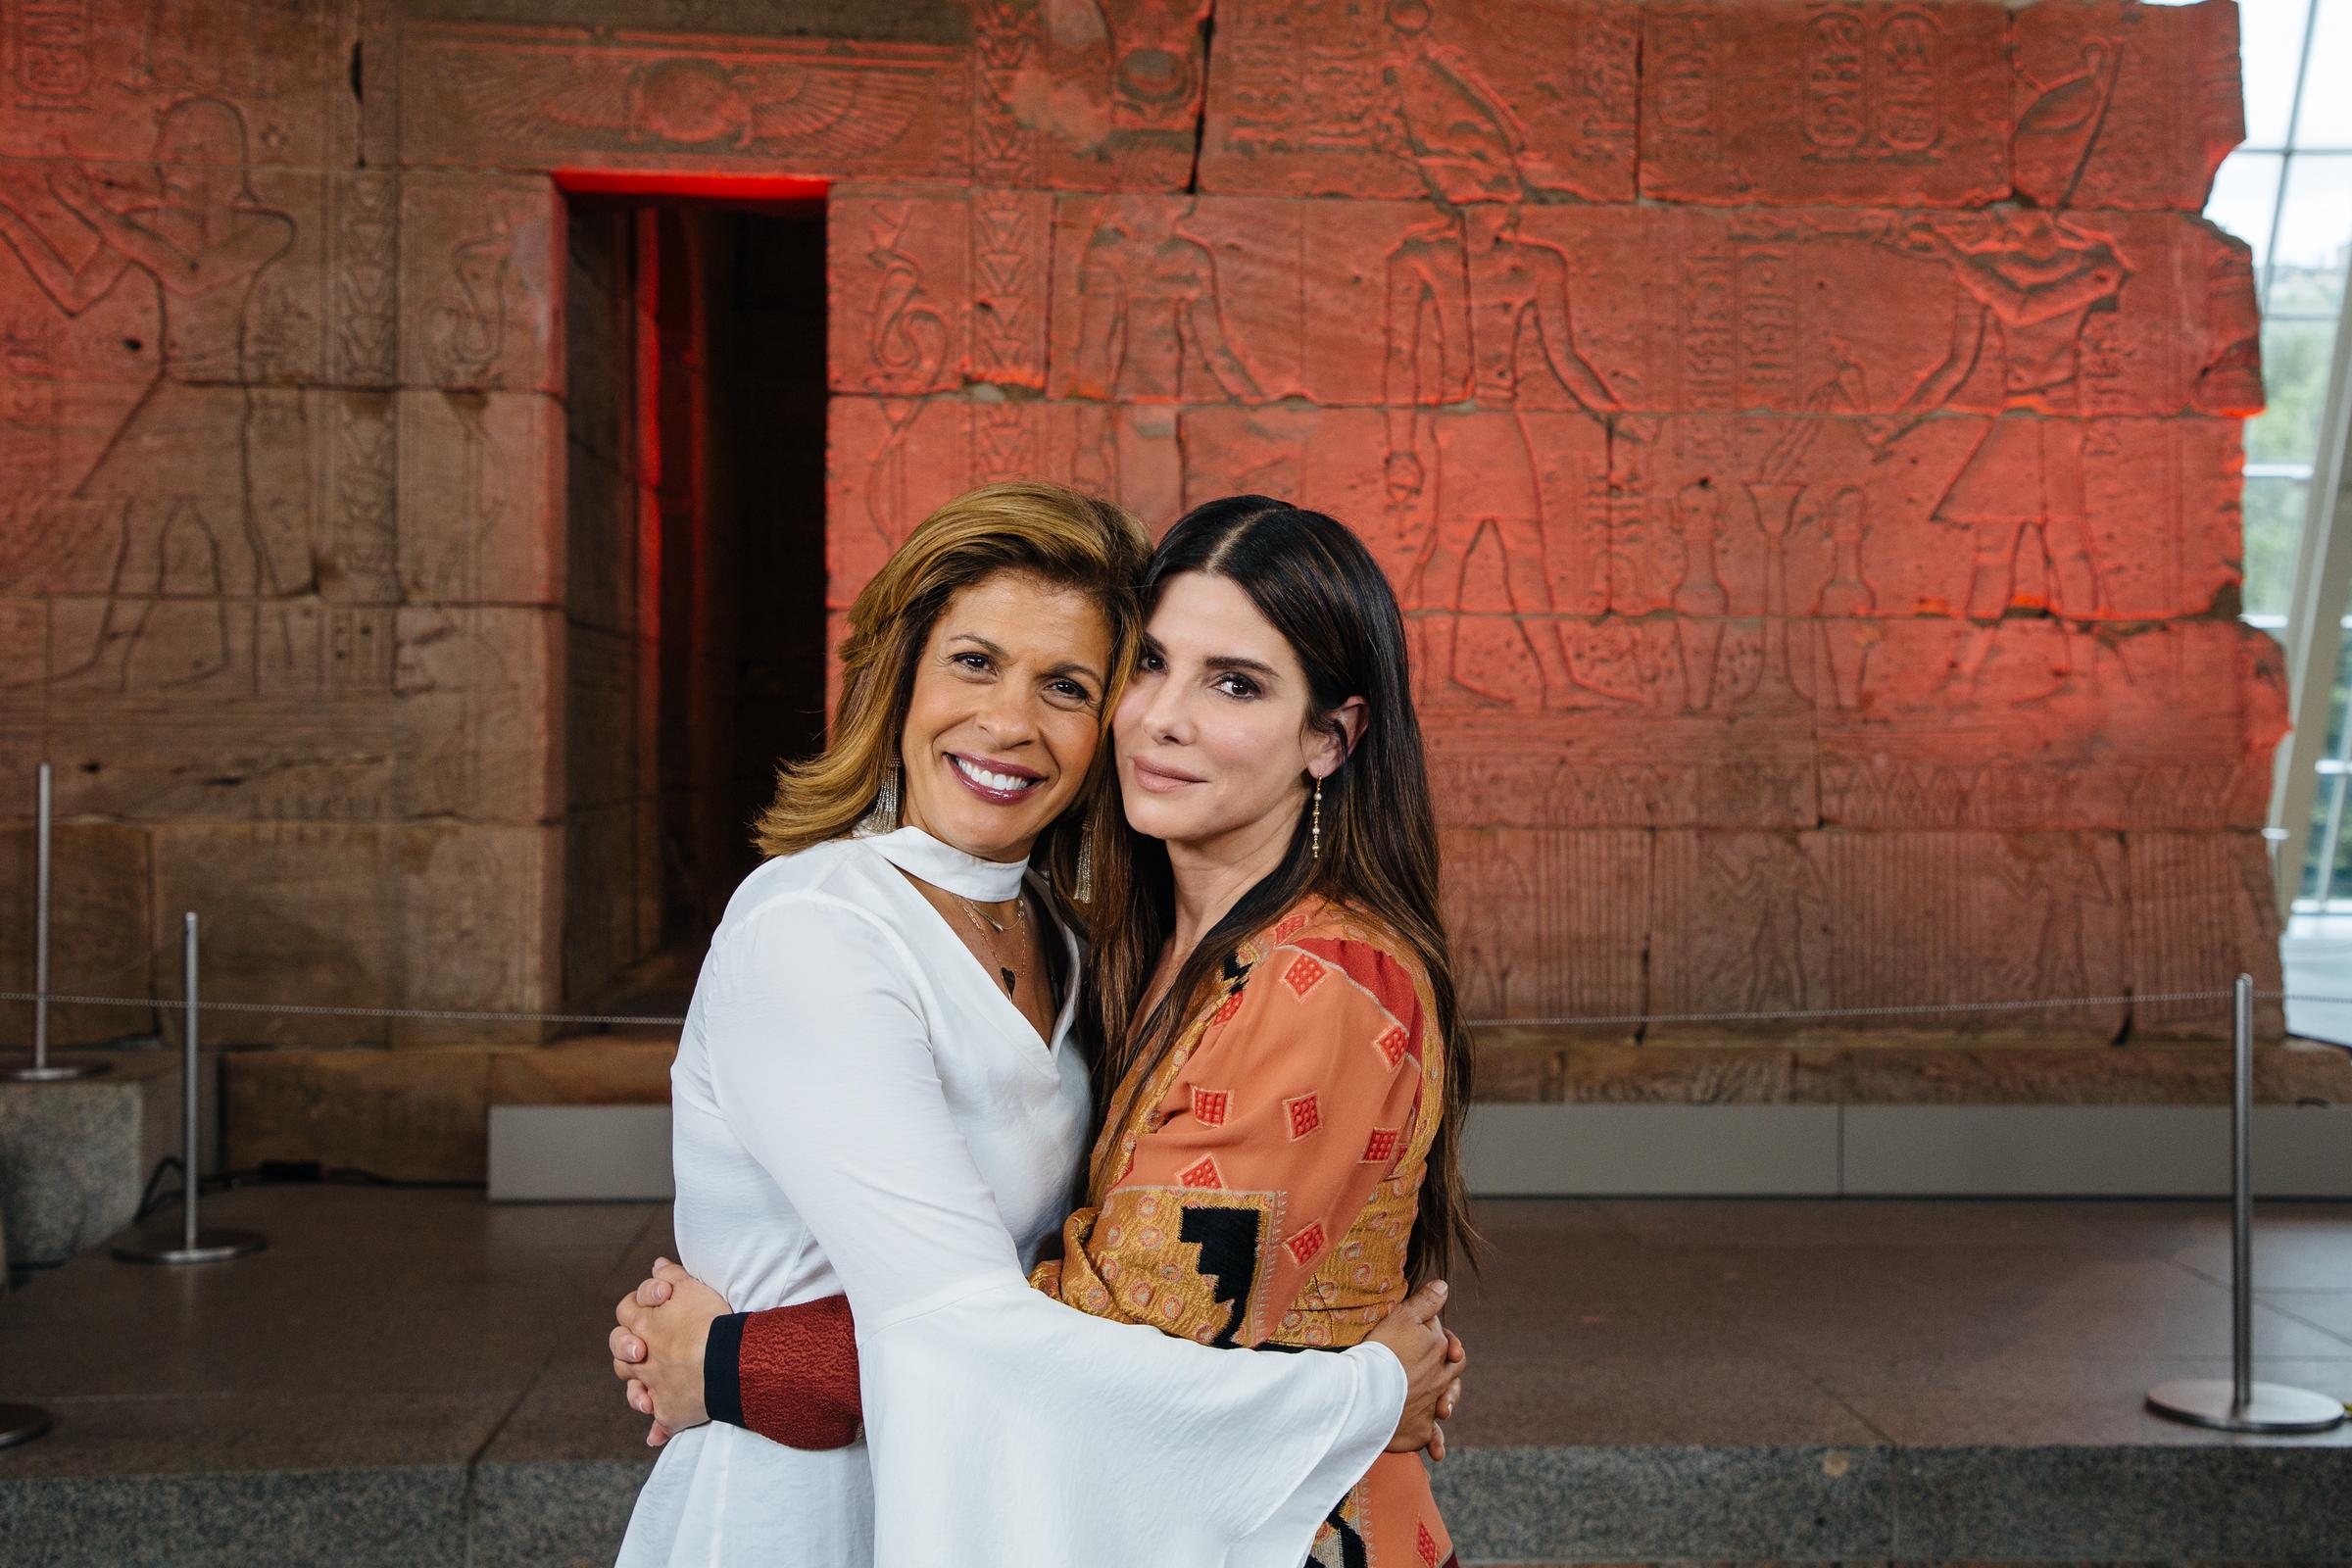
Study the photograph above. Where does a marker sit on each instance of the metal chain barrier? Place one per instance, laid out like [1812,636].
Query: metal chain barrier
[1583,1020]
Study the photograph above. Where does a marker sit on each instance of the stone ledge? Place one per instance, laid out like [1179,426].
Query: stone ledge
[424,1114]
[1519,1066]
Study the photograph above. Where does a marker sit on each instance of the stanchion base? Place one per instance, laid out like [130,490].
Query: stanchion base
[2273,1407]
[170,1245]
[56,1072]
[21,1423]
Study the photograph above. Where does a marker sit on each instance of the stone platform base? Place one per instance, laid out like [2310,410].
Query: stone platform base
[424,1114]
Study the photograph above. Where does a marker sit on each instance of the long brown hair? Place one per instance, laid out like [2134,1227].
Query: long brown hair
[1323,591]
[1026,527]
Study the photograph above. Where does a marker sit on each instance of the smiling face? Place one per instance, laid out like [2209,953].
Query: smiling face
[1215,745]
[1005,715]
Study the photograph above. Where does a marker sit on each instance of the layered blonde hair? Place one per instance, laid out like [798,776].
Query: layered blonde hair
[1029,529]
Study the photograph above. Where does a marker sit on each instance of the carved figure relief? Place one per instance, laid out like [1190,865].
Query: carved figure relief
[908,340]
[1151,332]
[1463,297]
[550,95]
[176,478]
[2028,291]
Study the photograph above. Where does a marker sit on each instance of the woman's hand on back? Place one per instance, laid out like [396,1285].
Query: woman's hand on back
[1433,1358]
[664,1326]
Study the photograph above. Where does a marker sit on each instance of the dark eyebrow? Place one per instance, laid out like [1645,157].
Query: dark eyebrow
[991,649]
[1254,667]
[1068,666]
[1072,666]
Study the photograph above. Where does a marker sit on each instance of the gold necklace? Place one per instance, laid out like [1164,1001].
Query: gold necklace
[984,926]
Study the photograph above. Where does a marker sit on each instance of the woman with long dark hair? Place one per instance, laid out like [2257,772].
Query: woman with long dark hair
[1277,1161]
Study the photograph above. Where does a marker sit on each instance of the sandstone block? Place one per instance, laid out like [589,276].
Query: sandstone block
[1789,922]
[358,533]
[1458,102]
[1169,299]
[363,304]
[98,935]
[2170,727]
[301,913]
[1651,308]
[1869,102]
[410,1115]
[332,755]
[478,282]
[1818,516]
[481,712]
[584,1072]
[2123,105]
[480,927]
[1529,765]
[481,498]
[891,462]
[1596,1072]
[1104,97]
[1546,924]
[930,292]
[113,313]
[485,95]
[1467,510]
[2203,911]
[274,79]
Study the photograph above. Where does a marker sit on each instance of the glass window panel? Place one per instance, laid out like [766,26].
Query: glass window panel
[2325,118]
[2315,843]
[2295,379]
[2336,709]
[2340,886]
[2274,530]
[2245,193]
[2315,234]
[2269,47]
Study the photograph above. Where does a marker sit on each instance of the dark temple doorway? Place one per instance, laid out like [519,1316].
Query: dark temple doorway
[695,606]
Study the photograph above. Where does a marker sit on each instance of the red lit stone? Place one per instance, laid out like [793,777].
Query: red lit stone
[2123,105]
[1868,103]
[1463,103]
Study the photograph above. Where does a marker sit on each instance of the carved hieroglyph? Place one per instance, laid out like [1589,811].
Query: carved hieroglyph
[1804,439]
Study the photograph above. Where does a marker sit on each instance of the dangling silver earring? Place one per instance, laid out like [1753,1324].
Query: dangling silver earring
[1082,885]
[1318,820]
[883,815]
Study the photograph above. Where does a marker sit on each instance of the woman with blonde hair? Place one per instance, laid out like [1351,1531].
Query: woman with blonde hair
[879,1095]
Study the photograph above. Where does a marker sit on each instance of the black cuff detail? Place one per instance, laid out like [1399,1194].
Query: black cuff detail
[722,1370]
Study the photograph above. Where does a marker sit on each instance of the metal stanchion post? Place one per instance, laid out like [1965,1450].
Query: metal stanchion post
[193,1243]
[41,1071]
[2241,1404]
[21,1423]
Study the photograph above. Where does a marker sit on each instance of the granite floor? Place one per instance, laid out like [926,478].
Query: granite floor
[418,1377]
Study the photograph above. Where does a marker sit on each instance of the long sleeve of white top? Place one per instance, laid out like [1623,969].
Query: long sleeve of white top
[1003,1428]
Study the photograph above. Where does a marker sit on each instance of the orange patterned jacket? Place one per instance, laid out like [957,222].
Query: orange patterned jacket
[1268,1174]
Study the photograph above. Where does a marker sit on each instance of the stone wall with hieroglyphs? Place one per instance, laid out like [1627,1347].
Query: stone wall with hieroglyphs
[1806,437]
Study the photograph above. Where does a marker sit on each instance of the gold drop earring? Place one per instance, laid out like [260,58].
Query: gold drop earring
[1318,821]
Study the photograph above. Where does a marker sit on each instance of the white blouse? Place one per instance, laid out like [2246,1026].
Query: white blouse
[859,1107]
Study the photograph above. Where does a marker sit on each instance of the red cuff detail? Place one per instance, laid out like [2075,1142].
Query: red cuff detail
[799,1375]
